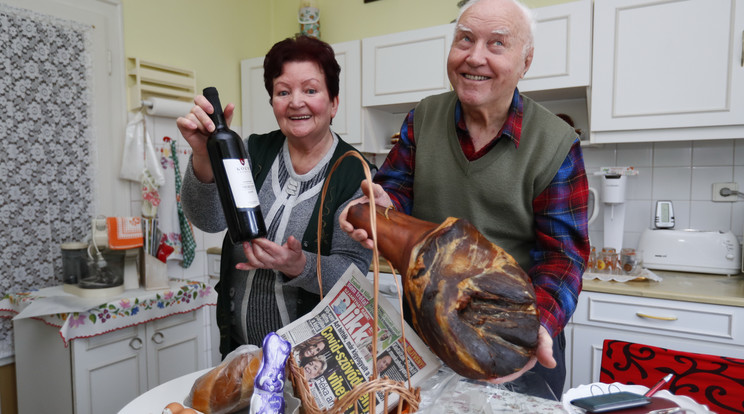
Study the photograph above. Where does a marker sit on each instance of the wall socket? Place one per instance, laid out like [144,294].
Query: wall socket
[717,187]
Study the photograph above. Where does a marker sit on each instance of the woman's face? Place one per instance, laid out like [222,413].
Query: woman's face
[383,363]
[301,103]
[313,350]
[312,369]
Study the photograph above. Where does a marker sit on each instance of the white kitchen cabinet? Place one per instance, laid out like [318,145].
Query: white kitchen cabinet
[405,67]
[258,115]
[683,326]
[563,49]
[667,70]
[348,120]
[398,70]
[103,373]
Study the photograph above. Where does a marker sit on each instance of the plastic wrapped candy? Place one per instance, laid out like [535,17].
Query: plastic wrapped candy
[268,394]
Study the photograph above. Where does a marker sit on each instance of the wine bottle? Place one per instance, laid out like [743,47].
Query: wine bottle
[232,173]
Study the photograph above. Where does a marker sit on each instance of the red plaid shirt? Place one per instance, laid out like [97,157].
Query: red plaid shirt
[561,236]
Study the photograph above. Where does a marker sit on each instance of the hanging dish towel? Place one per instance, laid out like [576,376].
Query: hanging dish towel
[188,244]
[139,153]
[124,232]
[167,214]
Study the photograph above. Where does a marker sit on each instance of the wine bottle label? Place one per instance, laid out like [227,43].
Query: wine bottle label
[241,182]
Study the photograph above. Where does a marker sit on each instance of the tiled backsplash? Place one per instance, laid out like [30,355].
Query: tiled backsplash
[682,172]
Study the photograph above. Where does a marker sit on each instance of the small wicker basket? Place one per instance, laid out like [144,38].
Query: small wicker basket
[409,397]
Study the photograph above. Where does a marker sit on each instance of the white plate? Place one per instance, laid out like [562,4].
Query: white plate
[601,388]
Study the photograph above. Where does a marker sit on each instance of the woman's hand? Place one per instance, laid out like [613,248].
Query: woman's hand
[195,128]
[544,356]
[381,199]
[265,254]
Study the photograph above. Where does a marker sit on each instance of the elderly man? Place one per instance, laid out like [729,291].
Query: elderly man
[496,158]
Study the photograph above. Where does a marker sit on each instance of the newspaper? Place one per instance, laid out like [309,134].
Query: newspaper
[333,344]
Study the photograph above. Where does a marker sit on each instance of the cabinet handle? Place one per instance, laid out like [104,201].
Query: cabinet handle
[742,48]
[658,318]
[158,338]
[136,343]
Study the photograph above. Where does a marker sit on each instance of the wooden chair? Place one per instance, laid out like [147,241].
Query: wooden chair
[715,381]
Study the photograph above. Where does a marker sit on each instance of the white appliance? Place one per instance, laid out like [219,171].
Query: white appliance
[613,195]
[613,182]
[688,250]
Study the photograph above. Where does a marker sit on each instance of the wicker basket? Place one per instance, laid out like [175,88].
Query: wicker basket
[409,397]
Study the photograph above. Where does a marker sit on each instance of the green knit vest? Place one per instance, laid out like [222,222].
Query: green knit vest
[495,192]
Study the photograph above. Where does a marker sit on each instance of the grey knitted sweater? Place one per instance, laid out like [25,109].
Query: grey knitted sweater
[264,300]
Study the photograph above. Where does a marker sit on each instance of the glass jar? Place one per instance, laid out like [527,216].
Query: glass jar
[591,264]
[609,261]
[74,262]
[629,261]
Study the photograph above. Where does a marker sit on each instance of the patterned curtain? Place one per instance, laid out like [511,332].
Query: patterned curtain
[46,148]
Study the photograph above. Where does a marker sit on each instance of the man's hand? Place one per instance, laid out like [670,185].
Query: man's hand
[544,356]
[381,200]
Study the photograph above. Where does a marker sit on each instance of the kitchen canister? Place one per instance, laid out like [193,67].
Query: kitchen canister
[308,16]
[74,262]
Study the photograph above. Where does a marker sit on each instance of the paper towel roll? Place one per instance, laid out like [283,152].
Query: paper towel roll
[167,107]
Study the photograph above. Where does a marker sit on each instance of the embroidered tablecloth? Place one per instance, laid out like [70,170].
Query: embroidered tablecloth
[79,317]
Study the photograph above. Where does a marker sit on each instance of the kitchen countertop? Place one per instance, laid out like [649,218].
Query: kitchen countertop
[689,287]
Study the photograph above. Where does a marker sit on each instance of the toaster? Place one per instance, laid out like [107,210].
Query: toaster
[696,251]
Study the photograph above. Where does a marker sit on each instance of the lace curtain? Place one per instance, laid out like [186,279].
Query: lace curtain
[46,152]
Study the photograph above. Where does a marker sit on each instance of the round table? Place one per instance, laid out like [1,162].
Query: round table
[176,390]
[153,401]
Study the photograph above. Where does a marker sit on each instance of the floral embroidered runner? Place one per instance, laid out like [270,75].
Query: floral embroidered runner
[84,317]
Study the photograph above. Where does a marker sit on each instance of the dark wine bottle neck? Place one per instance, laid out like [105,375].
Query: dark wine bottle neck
[217,116]
[218,119]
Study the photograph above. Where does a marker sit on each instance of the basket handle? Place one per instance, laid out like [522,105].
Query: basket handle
[375,265]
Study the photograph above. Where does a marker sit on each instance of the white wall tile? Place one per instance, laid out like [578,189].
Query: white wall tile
[707,215]
[717,152]
[638,155]
[630,239]
[703,179]
[671,183]
[640,187]
[739,152]
[737,219]
[681,214]
[598,156]
[672,154]
[638,215]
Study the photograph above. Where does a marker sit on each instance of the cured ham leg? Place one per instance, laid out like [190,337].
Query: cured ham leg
[470,301]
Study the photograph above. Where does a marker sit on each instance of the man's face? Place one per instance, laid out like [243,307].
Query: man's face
[487,57]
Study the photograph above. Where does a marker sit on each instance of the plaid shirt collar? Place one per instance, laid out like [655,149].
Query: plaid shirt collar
[512,128]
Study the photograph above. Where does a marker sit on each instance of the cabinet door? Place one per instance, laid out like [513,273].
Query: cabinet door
[258,116]
[348,120]
[563,48]
[661,64]
[405,67]
[176,346]
[109,370]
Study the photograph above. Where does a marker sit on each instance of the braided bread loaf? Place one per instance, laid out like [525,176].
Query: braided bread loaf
[228,387]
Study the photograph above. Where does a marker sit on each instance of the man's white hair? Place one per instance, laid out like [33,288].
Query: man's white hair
[528,17]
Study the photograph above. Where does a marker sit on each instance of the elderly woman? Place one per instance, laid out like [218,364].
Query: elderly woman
[268,282]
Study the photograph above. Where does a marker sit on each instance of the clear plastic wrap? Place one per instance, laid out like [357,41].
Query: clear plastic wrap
[228,387]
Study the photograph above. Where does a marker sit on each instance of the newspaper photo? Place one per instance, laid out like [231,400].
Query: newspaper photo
[333,344]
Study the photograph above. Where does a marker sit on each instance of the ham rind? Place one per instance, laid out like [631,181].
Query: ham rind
[469,299]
